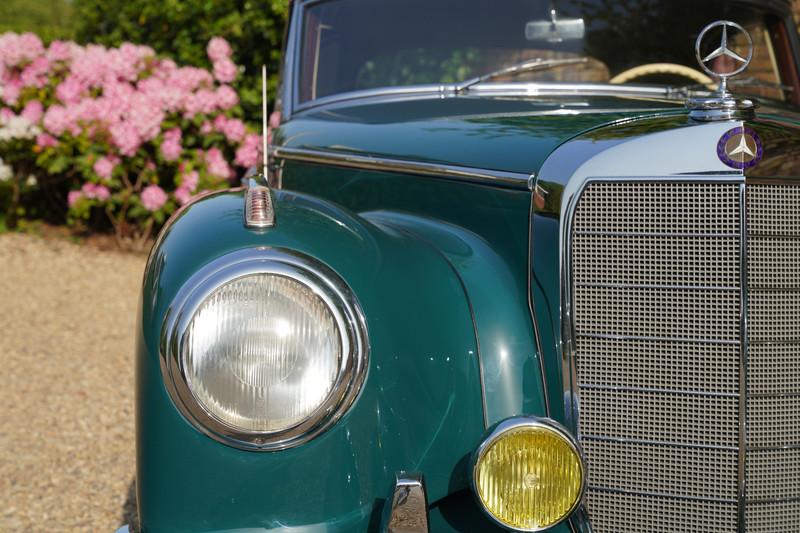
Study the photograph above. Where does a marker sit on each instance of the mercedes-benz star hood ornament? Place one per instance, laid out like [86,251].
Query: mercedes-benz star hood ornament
[722,63]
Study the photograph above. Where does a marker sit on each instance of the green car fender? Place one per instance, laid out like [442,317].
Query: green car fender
[420,408]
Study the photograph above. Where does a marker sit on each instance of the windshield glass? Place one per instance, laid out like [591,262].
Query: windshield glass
[352,45]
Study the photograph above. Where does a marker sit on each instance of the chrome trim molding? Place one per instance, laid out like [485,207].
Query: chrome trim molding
[474,175]
[406,510]
[704,394]
[576,89]
[613,337]
[510,424]
[314,275]
[660,443]
[661,495]
[743,349]
[580,522]
[531,305]
[290,58]
[666,95]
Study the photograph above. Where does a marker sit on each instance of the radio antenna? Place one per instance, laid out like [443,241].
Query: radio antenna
[264,146]
[258,211]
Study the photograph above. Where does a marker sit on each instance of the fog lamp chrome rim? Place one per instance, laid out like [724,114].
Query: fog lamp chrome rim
[504,428]
[313,275]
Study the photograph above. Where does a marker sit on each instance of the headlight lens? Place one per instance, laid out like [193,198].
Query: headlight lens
[262,352]
[264,349]
[529,474]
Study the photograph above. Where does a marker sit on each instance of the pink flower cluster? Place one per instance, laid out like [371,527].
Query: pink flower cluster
[135,108]
[217,166]
[188,185]
[153,197]
[219,52]
[249,154]
[22,64]
[171,147]
[90,191]
[104,167]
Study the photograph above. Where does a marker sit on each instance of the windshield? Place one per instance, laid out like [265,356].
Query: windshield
[352,45]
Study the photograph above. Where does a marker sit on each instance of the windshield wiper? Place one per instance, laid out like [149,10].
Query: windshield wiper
[530,65]
[755,82]
[687,91]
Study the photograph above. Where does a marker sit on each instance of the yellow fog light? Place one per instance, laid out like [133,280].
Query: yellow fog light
[528,474]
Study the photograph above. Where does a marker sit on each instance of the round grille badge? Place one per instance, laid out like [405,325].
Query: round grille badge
[740,148]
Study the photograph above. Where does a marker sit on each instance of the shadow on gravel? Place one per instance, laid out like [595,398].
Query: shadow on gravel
[129,514]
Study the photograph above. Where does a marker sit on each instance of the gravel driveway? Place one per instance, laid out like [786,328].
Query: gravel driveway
[67,318]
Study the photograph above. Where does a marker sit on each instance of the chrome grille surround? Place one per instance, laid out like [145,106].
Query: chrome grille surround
[689,421]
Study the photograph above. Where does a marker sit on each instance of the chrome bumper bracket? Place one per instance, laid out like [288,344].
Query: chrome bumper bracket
[406,510]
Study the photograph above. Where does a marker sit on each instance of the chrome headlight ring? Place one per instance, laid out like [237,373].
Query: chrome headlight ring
[506,427]
[313,275]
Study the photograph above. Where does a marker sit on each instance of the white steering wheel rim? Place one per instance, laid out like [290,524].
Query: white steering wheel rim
[662,68]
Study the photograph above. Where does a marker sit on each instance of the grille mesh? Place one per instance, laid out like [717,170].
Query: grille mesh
[773,409]
[656,296]
[656,299]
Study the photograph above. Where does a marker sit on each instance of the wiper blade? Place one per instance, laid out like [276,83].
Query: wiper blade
[755,82]
[530,65]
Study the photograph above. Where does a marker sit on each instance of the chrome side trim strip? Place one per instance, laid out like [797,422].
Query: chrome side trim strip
[611,336]
[775,235]
[652,234]
[743,306]
[579,522]
[662,495]
[767,501]
[705,394]
[647,442]
[531,305]
[495,178]
[775,342]
[793,394]
[784,448]
[656,287]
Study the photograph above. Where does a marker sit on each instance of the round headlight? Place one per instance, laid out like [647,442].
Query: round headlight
[528,474]
[265,349]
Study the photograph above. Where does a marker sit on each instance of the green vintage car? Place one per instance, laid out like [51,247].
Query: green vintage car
[516,265]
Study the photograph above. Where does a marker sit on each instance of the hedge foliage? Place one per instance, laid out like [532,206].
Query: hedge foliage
[49,19]
[181,29]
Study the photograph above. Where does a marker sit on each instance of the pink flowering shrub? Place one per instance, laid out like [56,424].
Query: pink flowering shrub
[123,132]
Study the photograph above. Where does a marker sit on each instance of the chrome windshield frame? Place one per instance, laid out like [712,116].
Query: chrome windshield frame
[521,89]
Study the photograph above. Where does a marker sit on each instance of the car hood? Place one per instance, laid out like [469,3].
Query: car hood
[493,133]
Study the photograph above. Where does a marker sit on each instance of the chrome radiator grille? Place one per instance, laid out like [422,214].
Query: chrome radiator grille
[773,383]
[662,356]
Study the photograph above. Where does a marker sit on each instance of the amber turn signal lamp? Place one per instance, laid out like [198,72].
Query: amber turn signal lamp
[528,474]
